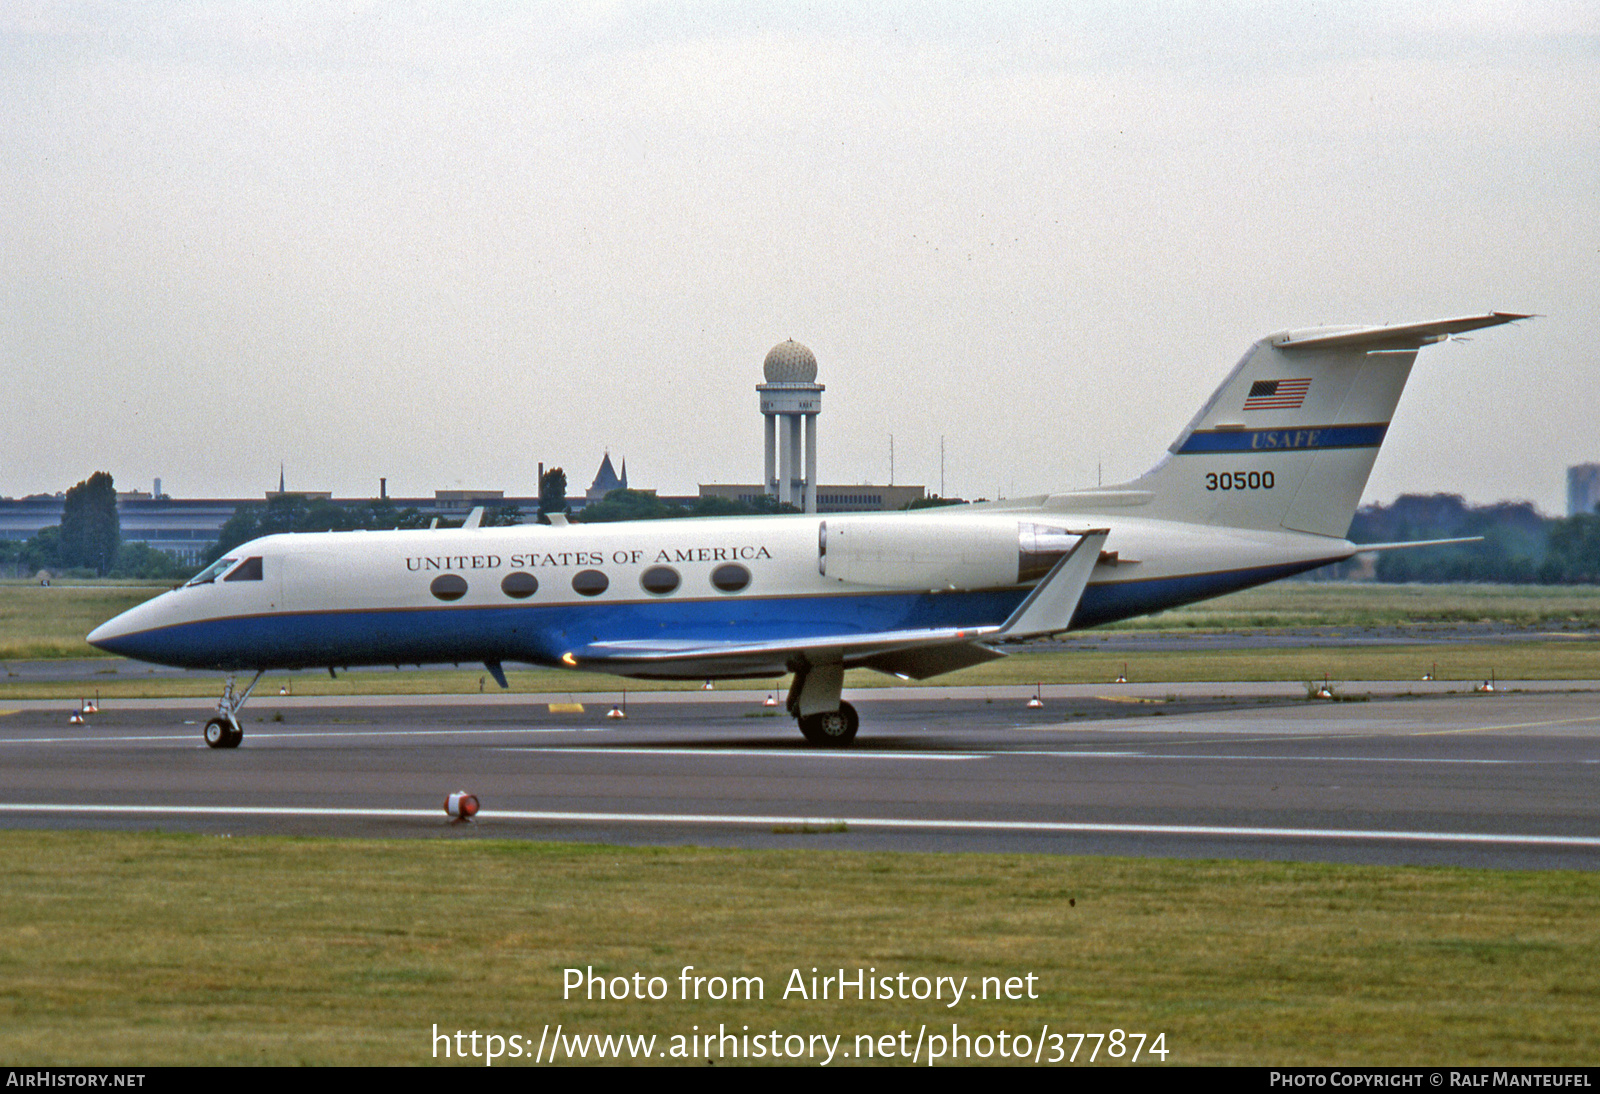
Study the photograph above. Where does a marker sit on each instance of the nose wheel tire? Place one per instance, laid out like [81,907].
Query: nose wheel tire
[221,734]
[831,729]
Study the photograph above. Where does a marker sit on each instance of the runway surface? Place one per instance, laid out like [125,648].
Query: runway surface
[1510,779]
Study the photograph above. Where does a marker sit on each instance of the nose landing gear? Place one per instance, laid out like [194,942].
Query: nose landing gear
[224,731]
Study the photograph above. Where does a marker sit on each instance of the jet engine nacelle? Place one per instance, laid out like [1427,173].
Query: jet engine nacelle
[928,551]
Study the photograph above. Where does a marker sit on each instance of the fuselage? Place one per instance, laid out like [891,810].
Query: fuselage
[552,595]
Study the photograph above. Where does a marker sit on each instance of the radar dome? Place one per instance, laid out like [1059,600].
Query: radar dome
[791,363]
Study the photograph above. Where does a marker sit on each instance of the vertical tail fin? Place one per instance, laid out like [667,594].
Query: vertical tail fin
[1290,437]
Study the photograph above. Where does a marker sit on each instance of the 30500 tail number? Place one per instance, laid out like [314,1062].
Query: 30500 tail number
[1239,480]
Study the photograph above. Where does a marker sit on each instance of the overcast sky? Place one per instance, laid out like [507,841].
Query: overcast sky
[443,242]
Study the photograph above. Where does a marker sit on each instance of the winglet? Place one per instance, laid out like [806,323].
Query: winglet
[1048,609]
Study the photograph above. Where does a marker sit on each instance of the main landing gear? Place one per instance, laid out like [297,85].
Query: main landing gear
[223,731]
[832,728]
[826,720]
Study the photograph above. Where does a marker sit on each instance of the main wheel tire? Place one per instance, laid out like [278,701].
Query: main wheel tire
[234,737]
[831,729]
[219,734]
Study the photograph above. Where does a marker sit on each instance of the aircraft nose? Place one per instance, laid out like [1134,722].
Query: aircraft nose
[159,631]
[104,636]
[121,634]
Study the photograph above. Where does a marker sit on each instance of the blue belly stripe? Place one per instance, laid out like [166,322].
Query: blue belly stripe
[540,633]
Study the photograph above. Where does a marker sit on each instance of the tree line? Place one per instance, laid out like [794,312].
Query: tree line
[1520,546]
[88,541]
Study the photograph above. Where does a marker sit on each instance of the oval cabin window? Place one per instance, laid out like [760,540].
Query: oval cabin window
[730,578]
[519,585]
[449,587]
[590,582]
[659,580]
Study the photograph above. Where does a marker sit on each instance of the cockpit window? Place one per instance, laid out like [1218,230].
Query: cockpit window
[212,572]
[248,570]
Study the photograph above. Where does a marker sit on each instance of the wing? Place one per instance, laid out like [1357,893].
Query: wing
[695,659]
[918,653]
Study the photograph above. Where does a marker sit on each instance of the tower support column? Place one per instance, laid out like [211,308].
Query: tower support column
[769,485]
[792,480]
[811,463]
[785,463]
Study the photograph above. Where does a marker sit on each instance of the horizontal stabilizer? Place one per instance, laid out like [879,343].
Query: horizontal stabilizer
[1404,336]
[1362,548]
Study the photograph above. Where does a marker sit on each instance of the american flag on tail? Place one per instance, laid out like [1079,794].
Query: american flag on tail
[1277,394]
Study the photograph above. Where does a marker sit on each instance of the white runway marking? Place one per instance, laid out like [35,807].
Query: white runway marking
[303,735]
[946,825]
[784,753]
[1092,755]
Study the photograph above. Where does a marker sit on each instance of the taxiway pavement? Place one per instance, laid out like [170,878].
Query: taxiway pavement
[1441,775]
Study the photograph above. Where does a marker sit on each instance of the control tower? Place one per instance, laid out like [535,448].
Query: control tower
[791,394]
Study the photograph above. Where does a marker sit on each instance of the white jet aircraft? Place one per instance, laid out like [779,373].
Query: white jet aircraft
[1262,484]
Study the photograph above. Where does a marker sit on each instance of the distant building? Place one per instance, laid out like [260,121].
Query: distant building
[450,502]
[606,480]
[791,400]
[187,527]
[830,499]
[1583,488]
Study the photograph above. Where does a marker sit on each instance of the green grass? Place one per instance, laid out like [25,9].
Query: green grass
[140,949]
[1362,604]
[1564,659]
[45,622]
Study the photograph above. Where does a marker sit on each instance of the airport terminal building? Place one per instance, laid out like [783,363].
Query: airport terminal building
[830,499]
[187,527]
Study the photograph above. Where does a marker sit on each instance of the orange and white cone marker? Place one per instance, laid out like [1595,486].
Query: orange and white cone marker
[461,806]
